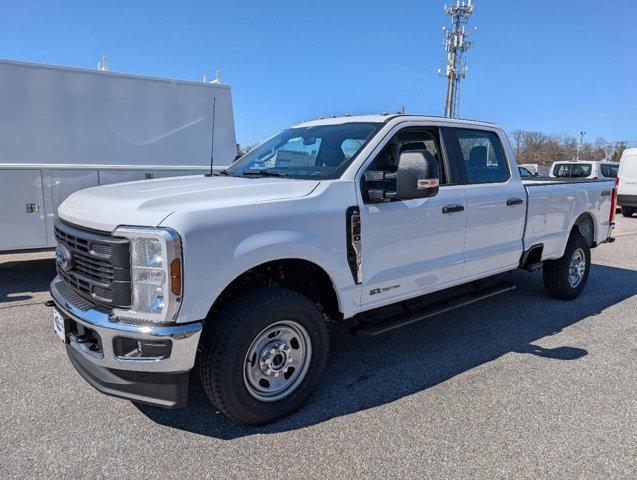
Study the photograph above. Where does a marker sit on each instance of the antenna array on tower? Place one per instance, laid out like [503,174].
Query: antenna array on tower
[456,43]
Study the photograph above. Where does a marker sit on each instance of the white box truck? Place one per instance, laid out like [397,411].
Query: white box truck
[65,129]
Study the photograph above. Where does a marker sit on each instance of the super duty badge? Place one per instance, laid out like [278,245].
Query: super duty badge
[376,291]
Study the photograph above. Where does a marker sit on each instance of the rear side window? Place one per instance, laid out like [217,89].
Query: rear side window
[562,170]
[581,170]
[609,170]
[483,156]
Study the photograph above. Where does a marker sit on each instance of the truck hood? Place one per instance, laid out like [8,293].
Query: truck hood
[146,203]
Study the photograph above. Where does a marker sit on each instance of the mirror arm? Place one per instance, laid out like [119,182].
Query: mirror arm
[378,195]
[374,176]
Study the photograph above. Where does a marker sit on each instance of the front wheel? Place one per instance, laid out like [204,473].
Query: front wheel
[566,277]
[264,355]
[627,211]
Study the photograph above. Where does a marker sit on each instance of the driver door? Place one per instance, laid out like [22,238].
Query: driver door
[412,247]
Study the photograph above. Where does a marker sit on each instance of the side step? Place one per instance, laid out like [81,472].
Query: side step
[377,328]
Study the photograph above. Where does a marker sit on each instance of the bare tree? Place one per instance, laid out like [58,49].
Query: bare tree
[544,149]
[517,136]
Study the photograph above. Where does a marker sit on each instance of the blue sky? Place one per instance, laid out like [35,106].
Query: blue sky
[558,66]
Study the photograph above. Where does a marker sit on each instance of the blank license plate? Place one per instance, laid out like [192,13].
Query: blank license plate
[58,325]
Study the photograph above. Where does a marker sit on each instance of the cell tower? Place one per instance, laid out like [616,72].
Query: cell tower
[456,42]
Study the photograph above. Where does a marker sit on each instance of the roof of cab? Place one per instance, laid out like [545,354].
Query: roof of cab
[384,118]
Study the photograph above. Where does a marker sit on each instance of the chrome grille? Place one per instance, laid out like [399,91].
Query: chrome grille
[102,250]
[99,268]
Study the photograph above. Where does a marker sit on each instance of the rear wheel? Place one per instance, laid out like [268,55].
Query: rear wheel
[628,211]
[264,355]
[566,277]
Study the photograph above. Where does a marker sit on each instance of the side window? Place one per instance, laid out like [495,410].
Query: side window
[581,170]
[609,170]
[562,170]
[484,159]
[405,140]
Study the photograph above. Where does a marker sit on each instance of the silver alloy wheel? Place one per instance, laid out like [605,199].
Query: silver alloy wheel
[277,361]
[576,268]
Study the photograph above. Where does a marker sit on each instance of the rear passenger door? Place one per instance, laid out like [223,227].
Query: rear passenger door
[495,203]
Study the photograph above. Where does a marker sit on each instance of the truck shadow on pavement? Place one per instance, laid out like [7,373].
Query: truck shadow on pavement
[19,279]
[363,373]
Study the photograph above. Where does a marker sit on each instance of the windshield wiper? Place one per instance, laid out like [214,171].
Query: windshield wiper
[263,173]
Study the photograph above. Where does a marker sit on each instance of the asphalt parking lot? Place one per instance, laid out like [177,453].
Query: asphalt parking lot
[520,385]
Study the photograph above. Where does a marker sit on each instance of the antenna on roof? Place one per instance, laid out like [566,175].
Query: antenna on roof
[212,143]
[217,79]
[103,65]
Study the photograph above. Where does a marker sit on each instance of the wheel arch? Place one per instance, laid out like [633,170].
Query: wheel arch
[585,225]
[297,274]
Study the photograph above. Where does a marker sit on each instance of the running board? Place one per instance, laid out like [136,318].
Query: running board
[433,310]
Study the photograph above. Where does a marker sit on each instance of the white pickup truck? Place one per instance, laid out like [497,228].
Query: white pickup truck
[379,220]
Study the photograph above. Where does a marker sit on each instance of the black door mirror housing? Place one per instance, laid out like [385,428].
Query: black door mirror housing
[418,175]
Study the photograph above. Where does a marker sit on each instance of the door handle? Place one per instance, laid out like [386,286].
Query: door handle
[514,201]
[452,208]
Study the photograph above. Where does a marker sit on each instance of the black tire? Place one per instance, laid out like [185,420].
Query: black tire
[224,348]
[556,272]
[627,211]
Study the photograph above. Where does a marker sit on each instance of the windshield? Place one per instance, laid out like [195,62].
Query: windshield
[319,152]
[524,172]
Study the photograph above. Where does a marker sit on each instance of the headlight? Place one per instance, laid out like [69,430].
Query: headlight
[156,283]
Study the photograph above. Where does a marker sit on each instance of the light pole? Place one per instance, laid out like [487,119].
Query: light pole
[581,142]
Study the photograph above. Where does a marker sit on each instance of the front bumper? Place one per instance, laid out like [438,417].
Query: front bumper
[158,380]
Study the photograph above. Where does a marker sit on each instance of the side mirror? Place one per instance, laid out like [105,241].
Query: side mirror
[418,175]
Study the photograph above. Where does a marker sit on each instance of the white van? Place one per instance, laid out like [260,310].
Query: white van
[593,170]
[627,191]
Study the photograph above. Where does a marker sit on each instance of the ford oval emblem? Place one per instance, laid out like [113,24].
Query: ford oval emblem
[63,258]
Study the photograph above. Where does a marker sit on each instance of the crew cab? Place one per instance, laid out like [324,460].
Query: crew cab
[379,220]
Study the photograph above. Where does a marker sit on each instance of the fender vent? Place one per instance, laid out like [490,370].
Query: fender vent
[353,226]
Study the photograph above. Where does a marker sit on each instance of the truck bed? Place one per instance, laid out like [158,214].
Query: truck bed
[553,207]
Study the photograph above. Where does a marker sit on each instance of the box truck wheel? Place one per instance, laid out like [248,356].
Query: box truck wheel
[263,355]
[628,211]
[566,277]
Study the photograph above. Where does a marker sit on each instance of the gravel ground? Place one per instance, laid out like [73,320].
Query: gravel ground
[520,385]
